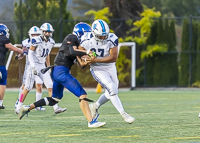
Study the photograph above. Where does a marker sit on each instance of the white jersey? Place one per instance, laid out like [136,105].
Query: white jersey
[26,44]
[43,49]
[102,50]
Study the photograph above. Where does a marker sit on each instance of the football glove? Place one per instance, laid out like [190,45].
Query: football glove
[35,71]
[93,54]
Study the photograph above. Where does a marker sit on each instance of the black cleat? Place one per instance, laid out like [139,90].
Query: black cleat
[2,107]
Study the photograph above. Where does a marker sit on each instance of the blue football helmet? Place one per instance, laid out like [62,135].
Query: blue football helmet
[80,28]
[4,30]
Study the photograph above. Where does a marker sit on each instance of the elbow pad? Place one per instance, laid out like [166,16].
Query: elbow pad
[75,53]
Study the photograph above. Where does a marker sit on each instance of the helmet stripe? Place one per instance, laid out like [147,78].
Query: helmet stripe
[103,27]
[48,27]
[35,29]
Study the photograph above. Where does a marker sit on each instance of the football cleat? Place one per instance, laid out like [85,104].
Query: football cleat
[17,111]
[95,124]
[23,111]
[127,118]
[199,115]
[16,103]
[40,108]
[2,107]
[94,110]
[59,110]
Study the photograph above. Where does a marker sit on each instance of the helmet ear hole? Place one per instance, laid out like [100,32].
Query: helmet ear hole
[80,29]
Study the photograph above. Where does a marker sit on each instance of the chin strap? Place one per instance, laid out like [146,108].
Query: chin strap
[86,99]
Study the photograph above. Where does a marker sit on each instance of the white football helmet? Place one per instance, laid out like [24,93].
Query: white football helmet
[100,28]
[34,30]
[46,27]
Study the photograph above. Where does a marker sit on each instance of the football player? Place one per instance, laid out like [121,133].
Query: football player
[34,31]
[5,45]
[38,54]
[102,67]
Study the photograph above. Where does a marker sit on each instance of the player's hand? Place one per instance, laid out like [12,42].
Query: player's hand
[35,71]
[25,53]
[84,58]
[0,75]
[91,60]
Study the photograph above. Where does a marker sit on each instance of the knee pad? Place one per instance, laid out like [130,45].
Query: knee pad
[86,99]
[112,89]
[50,101]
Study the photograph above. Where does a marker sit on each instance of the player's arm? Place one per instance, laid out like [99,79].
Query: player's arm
[82,62]
[31,56]
[110,59]
[13,48]
[21,56]
[48,61]
[74,51]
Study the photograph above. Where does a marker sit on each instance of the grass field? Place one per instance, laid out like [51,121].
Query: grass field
[161,117]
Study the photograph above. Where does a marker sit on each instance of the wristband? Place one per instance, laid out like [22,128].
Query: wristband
[87,52]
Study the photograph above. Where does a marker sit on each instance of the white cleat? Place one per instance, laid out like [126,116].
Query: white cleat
[16,103]
[199,115]
[96,124]
[127,118]
[23,111]
[60,110]
[17,111]
[94,110]
[40,108]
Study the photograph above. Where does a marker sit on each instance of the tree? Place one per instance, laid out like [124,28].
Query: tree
[36,12]
[197,74]
[177,8]
[184,57]
[80,7]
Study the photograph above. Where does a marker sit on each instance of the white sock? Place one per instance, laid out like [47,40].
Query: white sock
[1,102]
[117,103]
[55,106]
[102,99]
[20,91]
[19,105]
[38,96]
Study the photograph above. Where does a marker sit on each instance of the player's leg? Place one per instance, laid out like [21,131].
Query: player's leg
[28,86]
[3,82]
[2,93]
[23,85]
[62,75]
[38,95]
[115,98]
[49,84]
[108,79]
[46,101]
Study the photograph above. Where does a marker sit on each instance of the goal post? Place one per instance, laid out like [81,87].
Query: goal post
[133,61]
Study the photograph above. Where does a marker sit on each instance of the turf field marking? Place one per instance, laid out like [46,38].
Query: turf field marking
[134,136]
[180,138]
[65,135]
[196,107]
